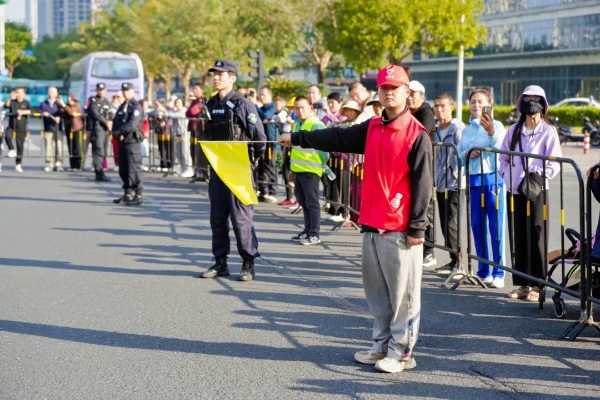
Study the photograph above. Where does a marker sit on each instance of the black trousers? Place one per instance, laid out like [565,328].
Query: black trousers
[99,141]
[20,135]
[223,207]
[448,211]
[130,165]
[165,151]
[537,245]
[307,193]
[427,250]
[285,171]
[267,171]
[75,144]
[334,188]
[199,160]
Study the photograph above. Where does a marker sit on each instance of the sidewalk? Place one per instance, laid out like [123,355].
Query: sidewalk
[123,316]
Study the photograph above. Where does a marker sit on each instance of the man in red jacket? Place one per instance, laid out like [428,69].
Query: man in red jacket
[395,194]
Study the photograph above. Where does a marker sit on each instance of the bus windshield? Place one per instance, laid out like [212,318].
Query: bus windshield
[114,68]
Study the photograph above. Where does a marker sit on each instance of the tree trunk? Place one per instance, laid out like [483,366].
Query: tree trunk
[168,83]
[187,76]
[150,90]
[320,74]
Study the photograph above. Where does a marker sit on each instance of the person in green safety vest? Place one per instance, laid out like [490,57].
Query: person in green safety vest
[306,167]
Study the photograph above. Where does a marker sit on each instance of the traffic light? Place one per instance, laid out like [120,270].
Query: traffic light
[258,67]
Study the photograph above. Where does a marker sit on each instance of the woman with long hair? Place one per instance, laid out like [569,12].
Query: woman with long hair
[485,185]
[531,134]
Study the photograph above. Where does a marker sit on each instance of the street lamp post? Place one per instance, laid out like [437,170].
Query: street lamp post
[460,77]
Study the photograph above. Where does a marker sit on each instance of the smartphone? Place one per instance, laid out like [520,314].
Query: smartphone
[488,110]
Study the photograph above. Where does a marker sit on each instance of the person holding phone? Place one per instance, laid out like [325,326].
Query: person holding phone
[485,182]
[530,134]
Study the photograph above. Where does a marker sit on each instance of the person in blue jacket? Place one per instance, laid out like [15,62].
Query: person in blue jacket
[267,167]
[484,131]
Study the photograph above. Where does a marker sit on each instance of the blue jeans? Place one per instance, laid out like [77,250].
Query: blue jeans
[492,221]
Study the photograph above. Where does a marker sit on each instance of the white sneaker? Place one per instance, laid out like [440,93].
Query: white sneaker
[144,168]
[188,174]
[18,168]
[165,170]
[115,169]
[489,279]
[368,356]
[47,169]
[337,218]
[498,283]
[326,217]
[393,366]
[12,154]
[0,167]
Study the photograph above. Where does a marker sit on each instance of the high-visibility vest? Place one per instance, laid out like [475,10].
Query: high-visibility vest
[306,160]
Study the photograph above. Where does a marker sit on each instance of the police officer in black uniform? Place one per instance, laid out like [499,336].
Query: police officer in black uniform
[128,130]
[99,123]
[232,117]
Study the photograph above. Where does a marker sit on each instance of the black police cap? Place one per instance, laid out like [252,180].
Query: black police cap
[100,86]
[225,66]
[126,86]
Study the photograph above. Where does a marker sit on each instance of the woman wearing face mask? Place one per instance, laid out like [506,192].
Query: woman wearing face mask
[484,131]
[531,134]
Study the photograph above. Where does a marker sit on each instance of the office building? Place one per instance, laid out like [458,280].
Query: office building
[551,43]
[31,18]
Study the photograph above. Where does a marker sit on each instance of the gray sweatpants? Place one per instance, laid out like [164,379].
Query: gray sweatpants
[392,281]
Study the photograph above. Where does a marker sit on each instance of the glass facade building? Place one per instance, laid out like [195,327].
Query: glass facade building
[551,43]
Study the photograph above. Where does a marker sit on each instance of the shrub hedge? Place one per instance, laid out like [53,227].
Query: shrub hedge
[566,115]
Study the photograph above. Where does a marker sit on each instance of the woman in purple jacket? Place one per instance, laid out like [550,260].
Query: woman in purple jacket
[531,134]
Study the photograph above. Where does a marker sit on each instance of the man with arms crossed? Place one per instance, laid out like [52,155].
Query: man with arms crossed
[395,195]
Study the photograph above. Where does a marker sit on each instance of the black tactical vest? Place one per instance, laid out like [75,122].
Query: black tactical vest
[222,125]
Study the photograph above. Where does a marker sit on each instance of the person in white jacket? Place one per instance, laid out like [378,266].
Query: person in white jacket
[179,124]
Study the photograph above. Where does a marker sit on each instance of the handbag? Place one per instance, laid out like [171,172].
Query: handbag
[536,182]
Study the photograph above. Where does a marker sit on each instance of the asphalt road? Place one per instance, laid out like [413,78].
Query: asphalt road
[99,301]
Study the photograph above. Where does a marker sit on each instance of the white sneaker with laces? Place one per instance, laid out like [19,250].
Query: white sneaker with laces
[393,366]
[311,240]
[368,356]
[498,283]
[18,168]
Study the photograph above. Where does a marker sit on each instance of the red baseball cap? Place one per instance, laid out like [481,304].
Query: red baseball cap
[392,75]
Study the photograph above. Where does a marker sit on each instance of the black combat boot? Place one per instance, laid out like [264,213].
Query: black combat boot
[219,269]
[100,177]
[138,200]
[247,272]
[126,198]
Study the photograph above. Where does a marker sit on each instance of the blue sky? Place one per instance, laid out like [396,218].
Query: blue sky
[15,10]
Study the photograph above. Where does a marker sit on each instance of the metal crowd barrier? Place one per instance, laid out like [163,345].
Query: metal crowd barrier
[590,271]
[450,153]
[566,254]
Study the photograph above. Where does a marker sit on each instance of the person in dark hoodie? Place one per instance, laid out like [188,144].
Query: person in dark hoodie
[423,113]
[395,193]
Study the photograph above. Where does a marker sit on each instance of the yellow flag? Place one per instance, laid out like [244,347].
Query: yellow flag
[231,162]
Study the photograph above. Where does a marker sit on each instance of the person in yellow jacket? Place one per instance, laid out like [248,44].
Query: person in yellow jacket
[306,167]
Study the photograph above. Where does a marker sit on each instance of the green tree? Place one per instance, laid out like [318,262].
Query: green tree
[48,52]
[17,39]
[371,34]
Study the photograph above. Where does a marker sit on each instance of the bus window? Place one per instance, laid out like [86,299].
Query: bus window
[114,68]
